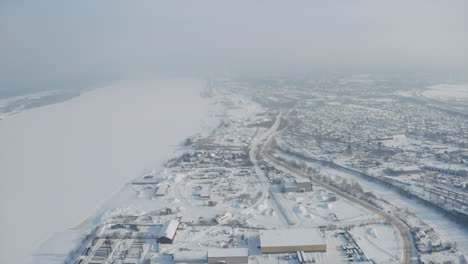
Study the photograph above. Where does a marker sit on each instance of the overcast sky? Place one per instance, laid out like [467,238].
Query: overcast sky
[48,41]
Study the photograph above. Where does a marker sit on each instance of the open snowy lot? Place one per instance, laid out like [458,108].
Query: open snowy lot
[455,93]
[60,162]
[379,242]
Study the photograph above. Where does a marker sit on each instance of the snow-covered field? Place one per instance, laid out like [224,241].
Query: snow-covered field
[379,242]
[447,229]
[456,93]
[59,163]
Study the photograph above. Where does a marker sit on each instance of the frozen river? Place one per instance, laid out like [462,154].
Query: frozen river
[59,163]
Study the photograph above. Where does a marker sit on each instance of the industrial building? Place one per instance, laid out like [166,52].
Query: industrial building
[406,170]
[292,240]
[168,232]
[190,257]
[228,256]
[296,185]
[447,171]
[161,189]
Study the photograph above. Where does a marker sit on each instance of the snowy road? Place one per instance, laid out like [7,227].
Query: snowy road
[264,182]
[409,255]
[254,150]
[448,229]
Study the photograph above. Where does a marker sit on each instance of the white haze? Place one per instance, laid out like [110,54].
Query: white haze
[52,41]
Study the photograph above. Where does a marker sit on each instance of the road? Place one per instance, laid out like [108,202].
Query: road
[257,151]
[409,251]
[286,214]
[255,147]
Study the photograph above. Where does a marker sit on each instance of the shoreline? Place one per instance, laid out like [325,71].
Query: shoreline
[124,135]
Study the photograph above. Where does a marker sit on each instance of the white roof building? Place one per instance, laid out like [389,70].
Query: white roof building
[292,240]
[168,231]
[228,256]
[190,257]
[161,189]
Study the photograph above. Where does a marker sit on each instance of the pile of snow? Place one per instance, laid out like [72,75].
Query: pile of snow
[322,195]
[300,209]
[264,209]
[296,199]
[326,206]
[310,216]
[269,212]
[262,206]
[372,232]
[179,178]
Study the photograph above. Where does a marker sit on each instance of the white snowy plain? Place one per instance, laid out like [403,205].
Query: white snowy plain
[457,93]
[60,163]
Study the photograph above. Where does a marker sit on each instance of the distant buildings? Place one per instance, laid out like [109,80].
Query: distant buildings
[446,171]
[405,170]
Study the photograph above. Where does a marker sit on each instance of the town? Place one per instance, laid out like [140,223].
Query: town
[301,171]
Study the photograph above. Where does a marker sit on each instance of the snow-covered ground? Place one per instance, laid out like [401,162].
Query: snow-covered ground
[456,93]
[379,242]
[59,163]
[16,104]
[447,229]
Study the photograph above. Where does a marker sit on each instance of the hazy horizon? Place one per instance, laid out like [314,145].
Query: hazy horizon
[56,44]
[202,131]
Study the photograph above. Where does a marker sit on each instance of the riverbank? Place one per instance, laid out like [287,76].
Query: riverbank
[61,162]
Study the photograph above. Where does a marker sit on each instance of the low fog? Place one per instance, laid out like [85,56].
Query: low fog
[47,44]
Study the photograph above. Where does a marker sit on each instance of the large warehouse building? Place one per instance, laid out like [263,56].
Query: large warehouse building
[292,240]
[228,256]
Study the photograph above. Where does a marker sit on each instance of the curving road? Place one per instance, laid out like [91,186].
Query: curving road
[409,250]
[255,148]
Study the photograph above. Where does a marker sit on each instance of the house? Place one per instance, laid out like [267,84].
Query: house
[161,189]
[405,170]
[168,232]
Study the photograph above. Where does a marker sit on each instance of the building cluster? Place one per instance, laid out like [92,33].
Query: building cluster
[220,203]
[398,141]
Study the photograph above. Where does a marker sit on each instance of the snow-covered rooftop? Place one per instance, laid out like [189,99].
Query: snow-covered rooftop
[189,256]
[301,180]
[228,252]
[169,229]
[291,237]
